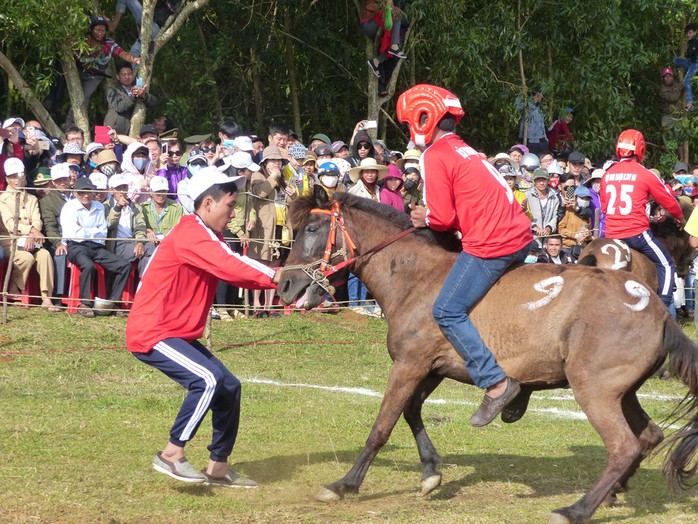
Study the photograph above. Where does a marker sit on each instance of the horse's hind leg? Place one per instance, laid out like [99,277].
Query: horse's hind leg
[606,416]
[647,432]
[431,460]
[402,383]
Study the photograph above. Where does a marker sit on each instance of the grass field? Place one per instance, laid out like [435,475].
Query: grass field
[81,421]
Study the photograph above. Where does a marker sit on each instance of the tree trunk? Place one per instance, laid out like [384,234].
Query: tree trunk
[29,98]
[291,68]
[524,88]
[218,108]
[257,83]
[145,68]
[72,79]
[148,51]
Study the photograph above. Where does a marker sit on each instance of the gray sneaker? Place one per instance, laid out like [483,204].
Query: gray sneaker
[181,470]
[231,480]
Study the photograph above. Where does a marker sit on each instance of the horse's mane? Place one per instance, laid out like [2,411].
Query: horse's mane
[300,208]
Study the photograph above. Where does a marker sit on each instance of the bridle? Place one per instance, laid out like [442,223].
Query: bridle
[321,270]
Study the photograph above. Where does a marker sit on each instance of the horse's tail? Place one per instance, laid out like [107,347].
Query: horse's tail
[680,465]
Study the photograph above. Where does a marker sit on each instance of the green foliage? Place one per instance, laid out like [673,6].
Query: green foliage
[602,57]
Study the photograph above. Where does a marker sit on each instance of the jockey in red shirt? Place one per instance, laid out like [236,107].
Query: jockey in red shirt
[625,190]
[464,193]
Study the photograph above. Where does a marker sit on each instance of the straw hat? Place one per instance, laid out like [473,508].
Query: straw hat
[366,165]
[410,154]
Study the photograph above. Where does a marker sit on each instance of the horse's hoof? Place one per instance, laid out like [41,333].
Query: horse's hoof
[609,501]
[327,495]
[557,518]
[431,483]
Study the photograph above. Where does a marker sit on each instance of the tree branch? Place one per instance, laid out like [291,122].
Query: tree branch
[29,97]
[167,32]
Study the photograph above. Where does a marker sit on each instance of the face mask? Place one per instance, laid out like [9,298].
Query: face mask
[596,186]
[92,164]
[139,163]
[582,203]
[531,259]
[107,170]
[410,184]
[193,168]
[329,180]
[554,183]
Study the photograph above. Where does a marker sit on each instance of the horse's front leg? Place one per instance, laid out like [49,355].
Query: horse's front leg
[431,460]
[402,383]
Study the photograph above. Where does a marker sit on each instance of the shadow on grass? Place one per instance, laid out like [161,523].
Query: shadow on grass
[567,476]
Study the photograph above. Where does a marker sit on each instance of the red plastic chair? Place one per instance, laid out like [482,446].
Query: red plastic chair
[73,300]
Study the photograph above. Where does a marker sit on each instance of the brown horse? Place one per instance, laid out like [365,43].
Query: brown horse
[599,332]
[609,253]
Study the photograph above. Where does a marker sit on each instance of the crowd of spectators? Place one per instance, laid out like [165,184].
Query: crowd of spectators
[111,201]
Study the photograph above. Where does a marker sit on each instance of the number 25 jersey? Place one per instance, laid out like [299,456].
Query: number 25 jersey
[625,190]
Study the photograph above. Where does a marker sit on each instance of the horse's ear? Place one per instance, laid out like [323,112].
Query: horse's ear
[320,196]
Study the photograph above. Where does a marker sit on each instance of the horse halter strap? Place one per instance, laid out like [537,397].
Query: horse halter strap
[336,221]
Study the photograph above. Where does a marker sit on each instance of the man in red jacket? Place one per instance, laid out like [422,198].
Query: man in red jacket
[464,193]
[169,314]
[625,190]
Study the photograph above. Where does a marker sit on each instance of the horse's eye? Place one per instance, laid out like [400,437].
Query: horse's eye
[311,229]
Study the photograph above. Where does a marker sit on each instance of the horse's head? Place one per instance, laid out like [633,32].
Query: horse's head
[311,218]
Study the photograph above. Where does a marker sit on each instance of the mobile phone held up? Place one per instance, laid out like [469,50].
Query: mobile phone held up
[570,193]
[165,148]
[370,124]
[139,82]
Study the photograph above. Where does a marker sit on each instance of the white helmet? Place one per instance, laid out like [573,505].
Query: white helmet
[530,162]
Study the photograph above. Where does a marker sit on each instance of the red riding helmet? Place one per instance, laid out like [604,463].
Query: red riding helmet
[423,106]
[631,142]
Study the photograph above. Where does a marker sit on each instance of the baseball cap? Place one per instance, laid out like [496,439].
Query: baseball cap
[13,166]
[60,171]
[540,172]
[92,147]
[208,177]
[337,145]
[13,120]
[83,184]
[159,183]
[680,166]
[148,129]
[576,158]
[243,143]
[667,71]
[98,20]
[118,179]
[196,154]
[99,180]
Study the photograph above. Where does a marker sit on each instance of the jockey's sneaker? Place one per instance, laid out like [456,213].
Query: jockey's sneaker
[230,480]
[181,470]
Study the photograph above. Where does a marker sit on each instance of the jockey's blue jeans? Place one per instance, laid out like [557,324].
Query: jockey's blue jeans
[469,280]
[691,70]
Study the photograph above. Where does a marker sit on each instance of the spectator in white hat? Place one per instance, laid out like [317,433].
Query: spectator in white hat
[161,213]
[27,219]
[51,206]
[126,223]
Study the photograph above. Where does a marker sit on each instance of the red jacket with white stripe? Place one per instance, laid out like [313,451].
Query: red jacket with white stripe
[179,285]
[625,190]
[463,192]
